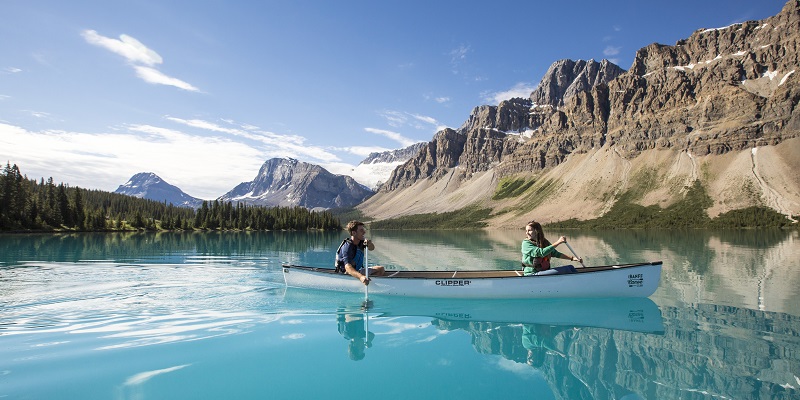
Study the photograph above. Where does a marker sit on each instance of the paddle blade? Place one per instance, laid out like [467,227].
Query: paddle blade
[366,304]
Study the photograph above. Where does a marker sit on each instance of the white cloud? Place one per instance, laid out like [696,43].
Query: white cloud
[394,118]
[404,141]
[133,50]
[38,114]
[441,100]
[277,145]
[611,50]
[520,90]
[142,58]
[400,119]
[424,118]
[154,76]
[364,151]
[459,54]
[11,70]
[458,58]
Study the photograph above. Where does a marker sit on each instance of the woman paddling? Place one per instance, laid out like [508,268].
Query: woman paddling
[537,251]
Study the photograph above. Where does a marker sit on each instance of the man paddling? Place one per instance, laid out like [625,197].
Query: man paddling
[350,256]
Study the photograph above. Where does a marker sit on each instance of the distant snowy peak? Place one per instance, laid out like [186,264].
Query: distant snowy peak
[289,182]
[378,167]
[147,185]
[392,156]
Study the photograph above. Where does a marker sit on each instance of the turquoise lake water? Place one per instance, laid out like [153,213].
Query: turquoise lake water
[207,316]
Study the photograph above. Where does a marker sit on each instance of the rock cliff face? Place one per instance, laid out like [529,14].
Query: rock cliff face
[717,92]
[288,182]
[566,78]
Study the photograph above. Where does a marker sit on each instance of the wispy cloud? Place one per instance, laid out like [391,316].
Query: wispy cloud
[459,54]
[399,119]
[611,51]
[423,118]
[520,90]
[142,58]
[130,48]
[363,151]
[274,144]
[37,114]
[458,57]
[152,75]
[10,70]
[404,141]
[441,100]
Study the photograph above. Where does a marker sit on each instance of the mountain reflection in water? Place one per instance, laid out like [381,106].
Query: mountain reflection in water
[704,351]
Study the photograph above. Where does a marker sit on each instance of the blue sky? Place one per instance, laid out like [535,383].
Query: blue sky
[203,92]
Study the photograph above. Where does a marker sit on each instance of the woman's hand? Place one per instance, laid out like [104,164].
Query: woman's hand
[562,239]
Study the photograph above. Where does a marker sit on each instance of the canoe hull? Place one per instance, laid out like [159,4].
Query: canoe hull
[633,280]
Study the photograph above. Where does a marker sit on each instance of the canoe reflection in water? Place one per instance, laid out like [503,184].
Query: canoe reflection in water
[353,327]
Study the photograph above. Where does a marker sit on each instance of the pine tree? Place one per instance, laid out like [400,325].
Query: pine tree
[78,212]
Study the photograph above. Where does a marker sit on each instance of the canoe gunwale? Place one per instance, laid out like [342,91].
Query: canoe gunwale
[477,274]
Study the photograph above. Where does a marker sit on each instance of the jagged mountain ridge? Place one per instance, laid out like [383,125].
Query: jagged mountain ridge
[289,182]
[566,78]
[718,92]
[147,185]
[391,156]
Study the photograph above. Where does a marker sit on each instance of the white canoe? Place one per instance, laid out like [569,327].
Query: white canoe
[627,280]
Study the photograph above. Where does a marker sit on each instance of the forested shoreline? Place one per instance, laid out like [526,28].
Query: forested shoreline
[44,206]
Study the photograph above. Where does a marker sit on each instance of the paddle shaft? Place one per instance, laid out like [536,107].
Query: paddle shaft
[366,271]
[573,253]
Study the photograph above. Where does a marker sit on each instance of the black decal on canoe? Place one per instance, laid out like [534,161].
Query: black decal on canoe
[635,280]
[453,282]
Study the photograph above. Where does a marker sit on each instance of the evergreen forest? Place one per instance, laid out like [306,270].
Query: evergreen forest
[44,206]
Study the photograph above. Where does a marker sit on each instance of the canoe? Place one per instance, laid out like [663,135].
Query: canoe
[625,280]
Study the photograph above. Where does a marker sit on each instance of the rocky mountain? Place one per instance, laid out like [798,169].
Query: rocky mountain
[147,185]
[289,182]
[719,107]
[378,166]
[566,78]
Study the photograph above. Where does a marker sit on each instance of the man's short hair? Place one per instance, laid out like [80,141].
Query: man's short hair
[353,225]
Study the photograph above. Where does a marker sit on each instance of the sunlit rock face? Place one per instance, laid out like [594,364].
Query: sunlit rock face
[289,182]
